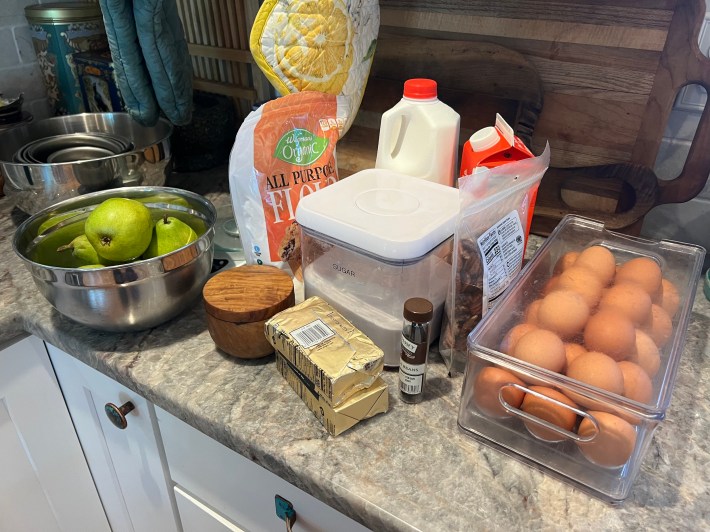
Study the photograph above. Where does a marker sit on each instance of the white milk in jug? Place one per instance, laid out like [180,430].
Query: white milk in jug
[420,135]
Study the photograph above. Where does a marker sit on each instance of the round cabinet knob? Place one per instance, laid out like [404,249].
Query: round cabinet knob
[117,414]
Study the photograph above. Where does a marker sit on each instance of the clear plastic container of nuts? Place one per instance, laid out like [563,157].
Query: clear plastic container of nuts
[574,368]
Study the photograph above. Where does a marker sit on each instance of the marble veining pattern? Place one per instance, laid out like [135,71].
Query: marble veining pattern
[410,469]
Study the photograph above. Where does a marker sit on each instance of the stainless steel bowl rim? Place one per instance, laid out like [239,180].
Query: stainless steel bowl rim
[115,192]
[136,149]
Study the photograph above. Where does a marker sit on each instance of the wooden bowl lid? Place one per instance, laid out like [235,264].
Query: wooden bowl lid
[248,293]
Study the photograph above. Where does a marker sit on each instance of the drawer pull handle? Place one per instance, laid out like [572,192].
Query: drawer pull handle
[117,414]
[285,511]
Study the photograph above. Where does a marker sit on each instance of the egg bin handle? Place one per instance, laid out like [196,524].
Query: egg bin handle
[554,428]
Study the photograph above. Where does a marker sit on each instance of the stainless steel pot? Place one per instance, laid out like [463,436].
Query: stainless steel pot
[129,297]
[34,186]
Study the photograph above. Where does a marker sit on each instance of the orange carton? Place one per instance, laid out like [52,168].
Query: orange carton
[495,146]
[491,147]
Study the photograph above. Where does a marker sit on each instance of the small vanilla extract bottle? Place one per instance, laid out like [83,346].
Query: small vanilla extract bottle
[415,348]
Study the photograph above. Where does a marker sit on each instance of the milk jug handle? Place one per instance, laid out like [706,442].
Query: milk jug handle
[391,129]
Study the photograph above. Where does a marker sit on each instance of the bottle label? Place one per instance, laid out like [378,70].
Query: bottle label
[410,346]
[411,377]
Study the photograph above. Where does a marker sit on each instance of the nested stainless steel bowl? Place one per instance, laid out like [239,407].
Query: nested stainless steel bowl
[32,183]
[129,297]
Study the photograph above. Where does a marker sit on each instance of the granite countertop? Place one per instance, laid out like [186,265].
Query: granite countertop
[408,469]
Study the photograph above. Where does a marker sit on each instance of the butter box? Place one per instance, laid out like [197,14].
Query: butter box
[336,419]
[330,351]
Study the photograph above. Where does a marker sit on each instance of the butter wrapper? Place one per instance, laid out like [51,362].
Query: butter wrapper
[326,348]
[336,419]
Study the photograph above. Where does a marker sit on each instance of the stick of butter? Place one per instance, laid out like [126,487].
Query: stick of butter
[363,404]
[330,351]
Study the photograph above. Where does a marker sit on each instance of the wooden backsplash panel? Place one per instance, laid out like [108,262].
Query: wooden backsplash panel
[597,61]
[217,32]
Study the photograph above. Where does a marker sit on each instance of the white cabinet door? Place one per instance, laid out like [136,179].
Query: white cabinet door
[45,483]
[237,489]
[128,465]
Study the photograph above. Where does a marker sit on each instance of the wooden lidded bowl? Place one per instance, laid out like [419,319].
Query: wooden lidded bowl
[238,303]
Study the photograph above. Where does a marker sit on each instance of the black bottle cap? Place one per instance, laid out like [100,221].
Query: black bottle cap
[418,309]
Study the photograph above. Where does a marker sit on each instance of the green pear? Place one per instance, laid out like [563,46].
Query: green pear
[91,266]
[120,229]
[82,250]
[54,220]
[169,234]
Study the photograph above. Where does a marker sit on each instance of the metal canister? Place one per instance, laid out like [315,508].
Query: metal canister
[58,31]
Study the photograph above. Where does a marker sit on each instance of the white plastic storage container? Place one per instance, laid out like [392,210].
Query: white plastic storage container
[420,135]
[372,241]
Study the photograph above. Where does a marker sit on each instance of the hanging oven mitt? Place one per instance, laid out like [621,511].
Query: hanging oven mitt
[317,45]
[131,74]
[164,48]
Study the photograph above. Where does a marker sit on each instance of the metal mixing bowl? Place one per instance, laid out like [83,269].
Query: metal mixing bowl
[130,297]
[32,186]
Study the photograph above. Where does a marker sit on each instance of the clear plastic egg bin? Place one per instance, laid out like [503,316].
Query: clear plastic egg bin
[582,415]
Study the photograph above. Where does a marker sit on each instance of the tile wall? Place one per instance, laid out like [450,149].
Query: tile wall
[690,221]
[19,72]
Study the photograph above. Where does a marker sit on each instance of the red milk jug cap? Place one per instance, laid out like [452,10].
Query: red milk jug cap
[420,89]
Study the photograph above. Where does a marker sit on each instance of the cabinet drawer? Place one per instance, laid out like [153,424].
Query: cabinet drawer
[195,516]
[237,488]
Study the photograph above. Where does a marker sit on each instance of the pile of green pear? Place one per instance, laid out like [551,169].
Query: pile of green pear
[118,231]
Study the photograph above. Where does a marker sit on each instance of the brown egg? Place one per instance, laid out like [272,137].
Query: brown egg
[613,445]
[513,335]
[542,348]
[659,327]
[629,299]
[610,332]
[565,261]
[564,312]
[644,271]
[572,351]
[582,281]
[647,354]
[550,285]
[597,369]
[531,312]
[486,389]
[670,299]
[548,411]
[637,384]
[599,260]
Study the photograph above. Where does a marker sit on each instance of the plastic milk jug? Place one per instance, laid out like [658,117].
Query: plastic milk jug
[420,135]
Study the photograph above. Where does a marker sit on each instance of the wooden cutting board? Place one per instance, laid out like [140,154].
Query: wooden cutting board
[609,70]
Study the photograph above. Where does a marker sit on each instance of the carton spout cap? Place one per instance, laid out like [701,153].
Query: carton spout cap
[484,139]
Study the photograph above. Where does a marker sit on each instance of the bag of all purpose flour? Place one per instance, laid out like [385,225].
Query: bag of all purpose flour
[283,151]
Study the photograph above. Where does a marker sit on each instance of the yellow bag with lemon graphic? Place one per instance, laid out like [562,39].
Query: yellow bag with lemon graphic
[317,45]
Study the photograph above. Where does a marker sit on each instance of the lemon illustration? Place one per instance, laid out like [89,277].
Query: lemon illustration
[308,43]
[317,45]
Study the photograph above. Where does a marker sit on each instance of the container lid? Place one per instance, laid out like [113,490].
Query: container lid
[62,12]
[384,213]
[418,310]
[420,89]
[248,293]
